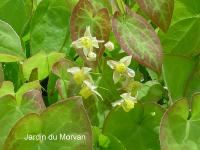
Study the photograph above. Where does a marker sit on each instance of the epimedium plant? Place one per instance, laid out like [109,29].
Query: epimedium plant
[122,73]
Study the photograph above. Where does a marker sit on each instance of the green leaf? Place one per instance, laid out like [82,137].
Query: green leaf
[177,71]
[160,12]
[11,111]
[185,9]
[180,126]
[180,38]
[10,44]
[49,26]
[72,120]
[151,91]
[114,144]
[25,88]
[43,62]
[17,13]
[137,129]
[85,15]
[138,39]
[7,88]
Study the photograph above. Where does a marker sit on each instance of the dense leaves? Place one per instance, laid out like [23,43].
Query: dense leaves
[99,74]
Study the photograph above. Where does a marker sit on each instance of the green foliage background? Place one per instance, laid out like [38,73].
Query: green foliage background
[39,96]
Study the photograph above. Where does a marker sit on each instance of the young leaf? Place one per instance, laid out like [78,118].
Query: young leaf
[10,44]
[72,121]
[138,39]
[85,15]
[180,126]
[43,62]
[160,11]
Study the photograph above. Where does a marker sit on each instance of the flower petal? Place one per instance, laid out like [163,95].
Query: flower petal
[126,60]
[77,44]
[86,70]
[117,103]
[87,32]
[73,70]
[91,56]
[112,64]
[109,45]
[131,73]
[116,76]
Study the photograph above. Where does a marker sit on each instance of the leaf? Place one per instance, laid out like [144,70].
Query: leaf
[49,26]
[180,38]
[10,44]
[138,39]
[13,73]
[60,68]
[43,62]
[6,88]
[84,15]
[160,12]
[13,107]
[180,126]
[17,13]
[106,85]
[72,120]
[185,9]
[177,82]
[137,129]
[151,91]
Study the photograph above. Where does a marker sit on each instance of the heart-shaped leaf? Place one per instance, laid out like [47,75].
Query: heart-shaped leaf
[49,26]
[71,130]
[14,106]
[16,13]
[138,39]
[180,126]
[140,124]
[10,44]
[85,15]
[160,11]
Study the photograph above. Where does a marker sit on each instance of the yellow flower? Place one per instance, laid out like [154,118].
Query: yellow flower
[127,102]
[88,89]
[87,43]
[79,74]
[121,68]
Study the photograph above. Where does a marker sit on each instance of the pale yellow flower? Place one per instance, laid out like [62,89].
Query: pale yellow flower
[89,89]
[87,43]
[127,102]
[121,68]
[80,74]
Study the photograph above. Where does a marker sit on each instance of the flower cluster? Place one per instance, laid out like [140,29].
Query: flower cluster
[121,69]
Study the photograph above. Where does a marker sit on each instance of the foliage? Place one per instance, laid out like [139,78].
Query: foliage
[99,74]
